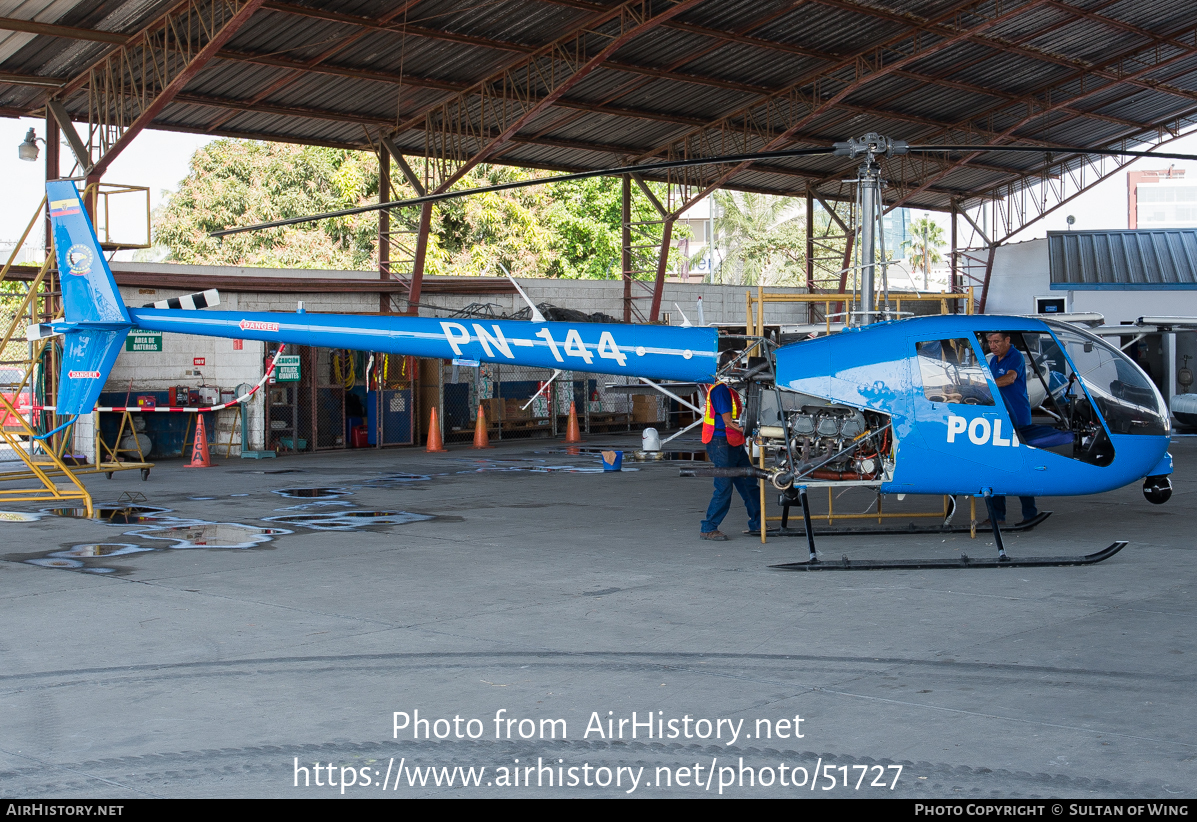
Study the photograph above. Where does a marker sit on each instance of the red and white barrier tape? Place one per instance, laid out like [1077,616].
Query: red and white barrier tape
[189,409]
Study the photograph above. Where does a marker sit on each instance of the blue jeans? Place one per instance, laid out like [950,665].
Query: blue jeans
[1028,508]
[731,456]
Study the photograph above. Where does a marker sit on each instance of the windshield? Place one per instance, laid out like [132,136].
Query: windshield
[1125,397]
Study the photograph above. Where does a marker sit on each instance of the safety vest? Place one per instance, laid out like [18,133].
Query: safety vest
[708,417]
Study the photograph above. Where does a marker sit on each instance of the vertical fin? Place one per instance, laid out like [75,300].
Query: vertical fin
[89,294]
[96,319]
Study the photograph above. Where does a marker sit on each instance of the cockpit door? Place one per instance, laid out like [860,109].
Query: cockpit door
[958,410]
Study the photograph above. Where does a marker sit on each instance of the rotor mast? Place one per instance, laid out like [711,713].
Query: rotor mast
[870,146]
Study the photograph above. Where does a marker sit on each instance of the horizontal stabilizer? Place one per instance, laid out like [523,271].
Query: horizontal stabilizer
[39,331]
[190,302]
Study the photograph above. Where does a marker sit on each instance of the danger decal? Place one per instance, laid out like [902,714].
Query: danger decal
[257,325]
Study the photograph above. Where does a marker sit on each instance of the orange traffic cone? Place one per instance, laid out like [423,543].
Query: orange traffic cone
[199,450]
[572,432]
[481,440]
[435,443]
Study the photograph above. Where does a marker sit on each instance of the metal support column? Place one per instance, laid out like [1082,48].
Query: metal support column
[384,226]
[810,253]
[626,247]
[662,265]
[988,272]
[53,137]
[954,282]
[417,271]
[844,271]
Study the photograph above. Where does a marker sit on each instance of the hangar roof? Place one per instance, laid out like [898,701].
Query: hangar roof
[589,84]
[1134,259]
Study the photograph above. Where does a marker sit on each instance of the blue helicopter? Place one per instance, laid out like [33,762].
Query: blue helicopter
[903,406]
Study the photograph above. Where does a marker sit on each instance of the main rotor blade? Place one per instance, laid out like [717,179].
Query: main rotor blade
[664,166]
[1111,152]
[581,175]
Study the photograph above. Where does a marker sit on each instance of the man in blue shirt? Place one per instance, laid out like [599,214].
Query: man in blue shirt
[1010,374]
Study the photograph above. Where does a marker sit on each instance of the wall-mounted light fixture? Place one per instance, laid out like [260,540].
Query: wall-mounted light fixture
[28,149]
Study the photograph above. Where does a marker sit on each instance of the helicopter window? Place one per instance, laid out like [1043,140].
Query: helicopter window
[951,373]
[1125,397]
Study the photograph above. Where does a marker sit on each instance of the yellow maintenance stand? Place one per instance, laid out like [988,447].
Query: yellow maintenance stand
[29,386]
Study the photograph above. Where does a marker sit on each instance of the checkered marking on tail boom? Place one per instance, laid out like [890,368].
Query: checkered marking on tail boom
[190,302]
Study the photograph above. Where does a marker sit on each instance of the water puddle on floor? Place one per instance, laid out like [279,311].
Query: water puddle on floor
[67,564]
[635,454]
[388,479]
[116,515]
[101,549]
[348,520]
[56,562]
[309,493]
[178,533]
[535,466]
[212,535]
[271,471]
[670,456]
[307,506]
[20,516]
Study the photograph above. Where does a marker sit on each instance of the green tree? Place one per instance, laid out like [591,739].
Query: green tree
[235,182]
[760,238]
[558,230]
[926,240]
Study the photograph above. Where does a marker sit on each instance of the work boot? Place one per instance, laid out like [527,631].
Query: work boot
[716,536]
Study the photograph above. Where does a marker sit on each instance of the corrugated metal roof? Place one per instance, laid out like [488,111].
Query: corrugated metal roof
[1138,259]
[320,70]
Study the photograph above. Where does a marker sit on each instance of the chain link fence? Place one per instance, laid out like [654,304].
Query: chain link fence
[335,372]
[289,407]
[331,399]
[391,418]
[517,405]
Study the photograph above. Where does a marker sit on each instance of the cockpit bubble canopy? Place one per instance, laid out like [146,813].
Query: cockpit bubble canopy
[1124,396]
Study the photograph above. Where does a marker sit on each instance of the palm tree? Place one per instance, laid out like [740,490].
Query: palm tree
[761,238]
[926,240]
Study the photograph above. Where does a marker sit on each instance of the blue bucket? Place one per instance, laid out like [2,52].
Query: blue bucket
[616,462]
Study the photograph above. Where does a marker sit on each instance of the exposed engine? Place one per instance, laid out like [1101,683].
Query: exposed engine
[833,443]
[806,439]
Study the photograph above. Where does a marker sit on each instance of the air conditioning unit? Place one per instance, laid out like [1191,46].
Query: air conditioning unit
[1051,305]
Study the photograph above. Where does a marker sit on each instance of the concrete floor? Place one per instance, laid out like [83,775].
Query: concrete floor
[562,595]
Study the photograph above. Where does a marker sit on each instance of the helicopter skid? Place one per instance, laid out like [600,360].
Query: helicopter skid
[964,561]
[911,529]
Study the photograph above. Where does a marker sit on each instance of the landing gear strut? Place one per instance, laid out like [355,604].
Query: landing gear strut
[1002,560]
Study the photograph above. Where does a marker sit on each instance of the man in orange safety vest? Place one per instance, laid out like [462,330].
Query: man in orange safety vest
[724,439]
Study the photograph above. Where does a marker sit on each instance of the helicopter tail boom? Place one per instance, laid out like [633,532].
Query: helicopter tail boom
[96,322]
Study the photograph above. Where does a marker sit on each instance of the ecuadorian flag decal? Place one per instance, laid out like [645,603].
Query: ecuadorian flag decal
[61,208]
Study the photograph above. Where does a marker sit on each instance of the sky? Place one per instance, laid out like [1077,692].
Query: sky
[159,160]
[1101,207]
